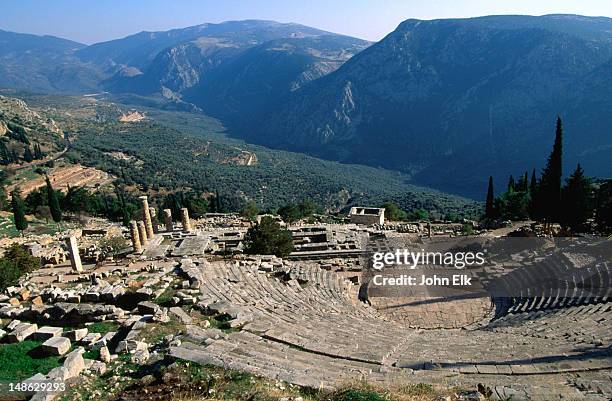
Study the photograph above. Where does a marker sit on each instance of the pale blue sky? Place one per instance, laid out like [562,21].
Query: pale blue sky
[99,20]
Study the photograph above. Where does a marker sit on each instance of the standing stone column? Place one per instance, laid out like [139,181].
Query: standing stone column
[168,220]
[146,216]
[153,214]
[185,220]
[142,231]
[135,237]
[75,258]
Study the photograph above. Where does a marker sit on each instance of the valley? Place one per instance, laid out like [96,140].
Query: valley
[170,150]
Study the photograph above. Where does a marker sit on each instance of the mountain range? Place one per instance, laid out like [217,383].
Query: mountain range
[448,101]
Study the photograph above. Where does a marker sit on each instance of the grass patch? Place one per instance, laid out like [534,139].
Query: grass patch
[165,298]
[16,362]
[222,322]
[418,389]
[154,333]
[102,327]
[358,395]
[92,354]
[8,230]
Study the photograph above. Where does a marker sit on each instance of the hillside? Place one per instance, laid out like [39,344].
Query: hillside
[460,95]
[253,82]
[44,64]
[176,150]
[23,130]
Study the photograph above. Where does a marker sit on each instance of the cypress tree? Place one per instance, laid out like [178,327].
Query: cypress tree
[525,187]
[550,184]
[3,198]
[21,223]
[28,157]
[511,184]
[577,200]
[489,208]
[37,152]
[217,202]
[5,156]
[54,206]
[533,185]
[126,216]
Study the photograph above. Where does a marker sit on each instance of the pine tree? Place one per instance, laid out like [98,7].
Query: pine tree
[525,186]
[489,208]
[549,195]
[511,184]
[577,200]
[21,223]
[54,206]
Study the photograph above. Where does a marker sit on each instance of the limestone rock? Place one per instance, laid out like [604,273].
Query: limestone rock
[56,346]
[46,332]
[74,362]
[76,335]
[148,308]
[181,315]
[105,355]
[21,332]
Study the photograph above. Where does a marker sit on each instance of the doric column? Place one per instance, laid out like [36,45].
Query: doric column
[146,216]
[135,237]
[142,232]
[75,258]
[168,220]
[153,214]
[185,220]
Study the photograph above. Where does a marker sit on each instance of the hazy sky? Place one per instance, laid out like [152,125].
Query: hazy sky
[99,20]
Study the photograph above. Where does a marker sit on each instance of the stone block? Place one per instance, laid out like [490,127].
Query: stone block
[76,335]
[148,308]
[46,332]
[21,332]
[56,346]
[180,314]
[90,338]
[11,326]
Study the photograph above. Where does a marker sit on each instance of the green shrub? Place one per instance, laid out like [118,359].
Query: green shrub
[268,238]
[15,263]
